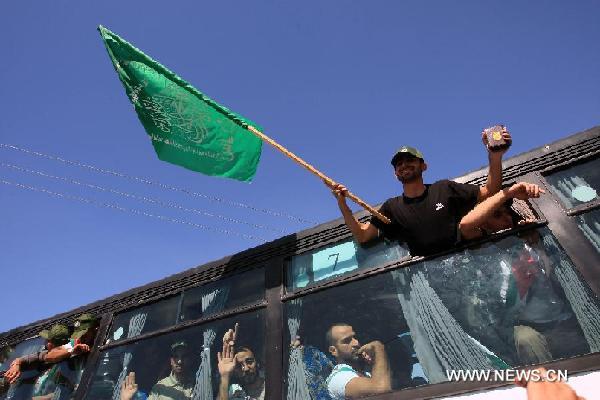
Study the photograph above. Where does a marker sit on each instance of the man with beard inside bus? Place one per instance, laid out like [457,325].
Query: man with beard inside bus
[241,377]
[349,379]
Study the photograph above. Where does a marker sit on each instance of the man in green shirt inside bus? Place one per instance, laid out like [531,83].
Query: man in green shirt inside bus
[178,385]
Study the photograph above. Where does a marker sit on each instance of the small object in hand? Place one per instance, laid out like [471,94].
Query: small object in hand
[495,139]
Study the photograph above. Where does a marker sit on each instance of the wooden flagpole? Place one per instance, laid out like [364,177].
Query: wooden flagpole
[328,180]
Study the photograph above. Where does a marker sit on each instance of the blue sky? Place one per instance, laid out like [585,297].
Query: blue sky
[342,84]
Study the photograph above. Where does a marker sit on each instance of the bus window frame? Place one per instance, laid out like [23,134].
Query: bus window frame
[93,357]
[107,322]
[564,228]
[584,208]
[187,324]
[181,294]
[132,307]
[406,262]
[288,263]
[575,365]
[563,166]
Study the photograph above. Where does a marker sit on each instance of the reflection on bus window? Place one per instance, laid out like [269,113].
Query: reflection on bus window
[589,223]
[192,304]
[508,302]
[244,288]
[144,319]
[338,259]
[185,364]
[578,184]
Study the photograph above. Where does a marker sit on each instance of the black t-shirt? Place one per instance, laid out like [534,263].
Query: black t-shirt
[428,223]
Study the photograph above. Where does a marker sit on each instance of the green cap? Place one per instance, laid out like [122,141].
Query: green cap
[406,150]
[58,334]
[82,324]
[177,345]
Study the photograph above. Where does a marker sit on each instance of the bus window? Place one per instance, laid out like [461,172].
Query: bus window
[185,363]
[338,259]
[47,381]
[229,293]
[508,302]
[578,184]
[24,386]
[147,318]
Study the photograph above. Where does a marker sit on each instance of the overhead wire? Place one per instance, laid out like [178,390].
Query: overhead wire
[156,183]
[139,197]
[129,210]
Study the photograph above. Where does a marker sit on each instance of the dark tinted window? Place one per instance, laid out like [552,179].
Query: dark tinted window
[339,259]
[47,381]
[578,184]
[229,293]
[24,387]
[203,301]
[509,302]
[144,319]
[184,364]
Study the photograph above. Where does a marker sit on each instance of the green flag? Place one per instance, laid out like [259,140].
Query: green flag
[186,127]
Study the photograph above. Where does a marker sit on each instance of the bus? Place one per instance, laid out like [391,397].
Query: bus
[453,325]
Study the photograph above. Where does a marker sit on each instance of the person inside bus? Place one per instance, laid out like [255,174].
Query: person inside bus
[423,206]
[350,378]
[241,377]
[178,385]
[542,321]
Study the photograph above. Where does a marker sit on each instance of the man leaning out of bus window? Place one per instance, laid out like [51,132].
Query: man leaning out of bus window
[485,218]
[58,347]
[241,377]
[350,378]
[423,206]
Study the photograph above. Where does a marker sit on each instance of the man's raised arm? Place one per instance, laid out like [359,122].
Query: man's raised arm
[380,381]
[362,232]
[494,179]
[471,223]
